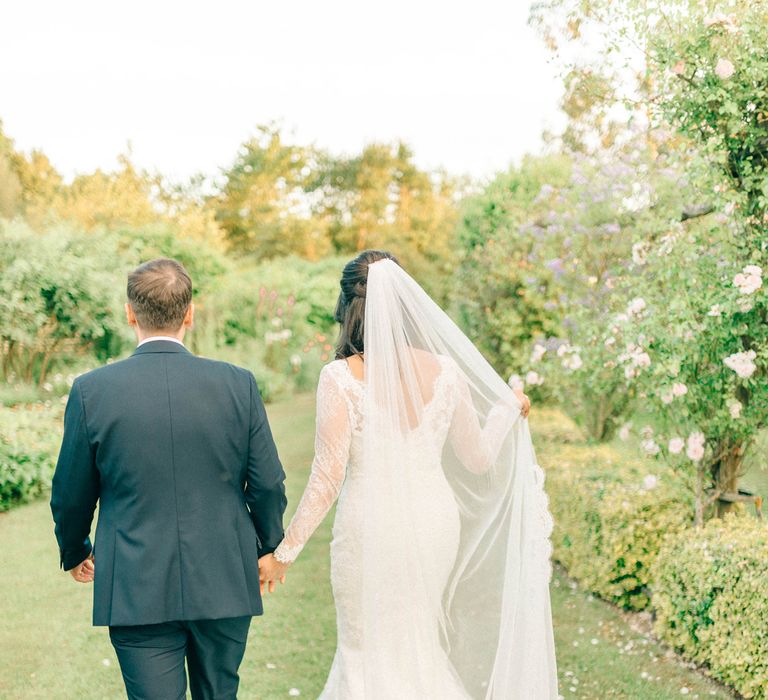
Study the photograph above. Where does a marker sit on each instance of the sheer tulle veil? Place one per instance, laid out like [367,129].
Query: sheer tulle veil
[496,628]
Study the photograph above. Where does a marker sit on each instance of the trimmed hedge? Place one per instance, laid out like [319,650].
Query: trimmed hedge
[612,513]
[623,530]
[710,595]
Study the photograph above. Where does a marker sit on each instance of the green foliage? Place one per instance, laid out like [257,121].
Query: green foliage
[263,205]
[275,318]
[696,318]
[28,448]
[711,602]
[612,515]
[282,199]
[498,297]
[53,301]
[60,303]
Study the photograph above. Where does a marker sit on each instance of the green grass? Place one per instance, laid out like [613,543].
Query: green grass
[49,650]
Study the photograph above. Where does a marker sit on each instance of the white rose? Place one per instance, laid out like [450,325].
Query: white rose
[676,445]
[533,378]
[667,397]
[538,352]
[642,359]
[572,361]
[679,389]
[742,363]
[650,482]
[749,280]
[734,408]
[715,311]
[650,447]
[636,306]
[745,304]
[695,446]
[640,252]
[515,381]
[624,432]
[724,69]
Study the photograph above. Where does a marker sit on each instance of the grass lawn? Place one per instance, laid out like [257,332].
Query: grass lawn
[49,650]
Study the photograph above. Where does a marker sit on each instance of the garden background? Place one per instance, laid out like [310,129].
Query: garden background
[618,274]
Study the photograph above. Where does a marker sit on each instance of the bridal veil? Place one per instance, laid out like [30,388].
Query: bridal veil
[492,603]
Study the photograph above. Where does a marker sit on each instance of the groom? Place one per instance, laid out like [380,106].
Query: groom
[179,455]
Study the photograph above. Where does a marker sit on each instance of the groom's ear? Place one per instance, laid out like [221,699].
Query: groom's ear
[130,316]
[189,317]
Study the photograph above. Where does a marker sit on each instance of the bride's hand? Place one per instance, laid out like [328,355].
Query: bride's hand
[271,570]
[525,403]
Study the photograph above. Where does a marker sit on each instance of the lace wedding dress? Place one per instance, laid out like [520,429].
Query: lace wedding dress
[440,551]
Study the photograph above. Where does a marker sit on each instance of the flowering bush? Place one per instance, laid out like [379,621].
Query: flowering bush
[626,193]
[711,603]
[704,356]
[693,344]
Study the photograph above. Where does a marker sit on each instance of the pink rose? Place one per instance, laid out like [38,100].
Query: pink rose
[679,67]
[695,446]
[724,69]
[676,445]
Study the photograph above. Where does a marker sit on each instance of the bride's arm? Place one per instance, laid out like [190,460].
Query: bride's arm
[332,440]
[476,446]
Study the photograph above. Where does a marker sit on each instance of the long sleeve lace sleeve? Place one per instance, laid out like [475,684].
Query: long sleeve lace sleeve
[332,442]
[476,446]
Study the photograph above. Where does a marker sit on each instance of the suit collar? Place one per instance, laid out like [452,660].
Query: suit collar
[160,346]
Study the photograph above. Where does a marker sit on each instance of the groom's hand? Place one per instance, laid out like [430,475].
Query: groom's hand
[84,571]
[271,570]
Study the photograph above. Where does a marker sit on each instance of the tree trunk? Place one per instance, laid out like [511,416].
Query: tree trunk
[725,476]
[700,489]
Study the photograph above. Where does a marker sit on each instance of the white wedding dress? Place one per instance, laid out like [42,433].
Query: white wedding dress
[440,551]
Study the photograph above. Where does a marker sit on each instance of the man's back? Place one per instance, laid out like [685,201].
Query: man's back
[177,449]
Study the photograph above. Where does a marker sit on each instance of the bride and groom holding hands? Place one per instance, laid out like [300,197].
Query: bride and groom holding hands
[440,552]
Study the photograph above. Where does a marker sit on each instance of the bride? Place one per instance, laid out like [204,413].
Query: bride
[440,552]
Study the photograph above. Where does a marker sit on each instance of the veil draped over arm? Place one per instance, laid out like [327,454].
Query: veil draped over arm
[495,609]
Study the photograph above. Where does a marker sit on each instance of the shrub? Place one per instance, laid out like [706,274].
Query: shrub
[711,600]
[275,318]
[28,447]
[611,515]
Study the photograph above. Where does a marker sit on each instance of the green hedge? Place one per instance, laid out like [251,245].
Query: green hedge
[611,518]
[29,438]
[710,596]
[631,541]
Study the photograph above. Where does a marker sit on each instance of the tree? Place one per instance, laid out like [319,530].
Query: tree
[10,186]
[108,199]
[498,296]
[381,199]
[264,206]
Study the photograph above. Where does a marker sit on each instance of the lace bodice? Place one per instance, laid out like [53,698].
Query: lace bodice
[448,415]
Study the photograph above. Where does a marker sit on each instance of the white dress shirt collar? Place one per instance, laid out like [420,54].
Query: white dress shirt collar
[160,337]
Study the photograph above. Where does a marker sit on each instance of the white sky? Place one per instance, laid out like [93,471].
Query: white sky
[466,84]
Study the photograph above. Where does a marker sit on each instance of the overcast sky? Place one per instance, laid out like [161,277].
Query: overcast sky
[467,84]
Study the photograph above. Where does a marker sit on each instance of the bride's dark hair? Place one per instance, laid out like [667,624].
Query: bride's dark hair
[350,308]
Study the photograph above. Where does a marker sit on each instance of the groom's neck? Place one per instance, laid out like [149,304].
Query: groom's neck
[142,334]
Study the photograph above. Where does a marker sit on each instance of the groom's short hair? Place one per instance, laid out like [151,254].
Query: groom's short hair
[160,292]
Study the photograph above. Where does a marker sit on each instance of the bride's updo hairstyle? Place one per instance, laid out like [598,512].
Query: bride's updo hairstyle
[350,309]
